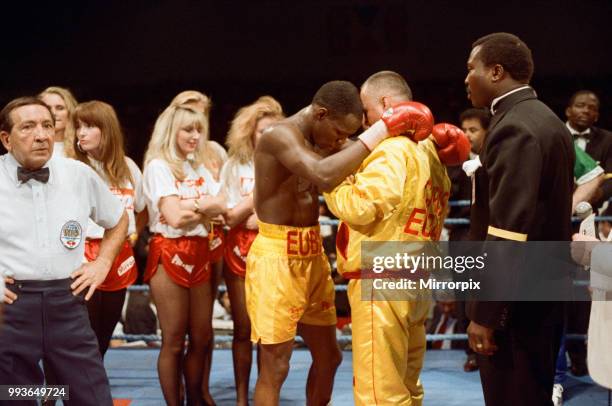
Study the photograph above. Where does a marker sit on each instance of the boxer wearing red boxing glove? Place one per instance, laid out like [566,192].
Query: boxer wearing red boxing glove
[453,145]
[288,278]
[411,119]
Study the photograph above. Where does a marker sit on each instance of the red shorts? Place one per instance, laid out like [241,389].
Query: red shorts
[185,259]
[216,241]
[123,272]
[237,246]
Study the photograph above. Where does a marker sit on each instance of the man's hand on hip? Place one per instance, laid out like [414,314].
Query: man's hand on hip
[90,275]
[9,297]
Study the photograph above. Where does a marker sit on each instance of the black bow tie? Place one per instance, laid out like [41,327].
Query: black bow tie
[41,175]
[586,135]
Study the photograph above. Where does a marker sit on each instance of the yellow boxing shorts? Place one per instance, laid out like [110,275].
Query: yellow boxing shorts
[388,345]
[288,281]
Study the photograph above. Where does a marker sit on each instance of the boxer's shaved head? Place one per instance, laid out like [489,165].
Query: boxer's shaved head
[340,98]
[381,91]
[388,83]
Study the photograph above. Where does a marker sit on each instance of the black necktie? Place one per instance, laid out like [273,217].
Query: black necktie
[41,174]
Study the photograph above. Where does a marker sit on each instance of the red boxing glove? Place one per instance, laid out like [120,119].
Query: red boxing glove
[453,144]
[411,119]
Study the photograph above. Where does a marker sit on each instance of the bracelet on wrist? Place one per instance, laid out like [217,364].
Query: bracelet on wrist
[196,206]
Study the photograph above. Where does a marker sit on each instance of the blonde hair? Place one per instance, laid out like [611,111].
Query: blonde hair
[112,154]
[188,97]
[71,104]
[240,136]
[163,140]
[215,159]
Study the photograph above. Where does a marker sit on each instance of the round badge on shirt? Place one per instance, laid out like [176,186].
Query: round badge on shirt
[71,234]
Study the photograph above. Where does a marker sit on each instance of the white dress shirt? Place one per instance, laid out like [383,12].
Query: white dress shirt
[158,182]
[131,197]
[498,99]
[238,181]
[43,227]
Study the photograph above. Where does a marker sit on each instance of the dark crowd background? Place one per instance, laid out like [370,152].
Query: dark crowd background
[136,55]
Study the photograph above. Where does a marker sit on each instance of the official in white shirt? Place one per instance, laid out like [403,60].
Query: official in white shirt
[45,206]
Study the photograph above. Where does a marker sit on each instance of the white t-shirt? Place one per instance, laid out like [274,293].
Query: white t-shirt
[131,197]
[238,181]
[158,182]
[43,225]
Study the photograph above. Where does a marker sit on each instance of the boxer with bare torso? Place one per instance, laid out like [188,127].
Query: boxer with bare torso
[288,280]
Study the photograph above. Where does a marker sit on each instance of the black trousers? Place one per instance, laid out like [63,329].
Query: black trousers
[578,314]
[48,322]
[522,370]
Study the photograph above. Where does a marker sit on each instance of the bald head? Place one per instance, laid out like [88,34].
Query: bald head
[388,83]
[381,91]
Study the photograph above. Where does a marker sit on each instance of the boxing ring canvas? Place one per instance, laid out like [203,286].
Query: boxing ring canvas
[133,378]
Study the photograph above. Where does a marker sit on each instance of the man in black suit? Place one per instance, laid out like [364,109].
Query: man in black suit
[582,113]
[474,123]
[523,193]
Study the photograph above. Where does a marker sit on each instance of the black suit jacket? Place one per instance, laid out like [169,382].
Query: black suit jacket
[600,149]
[523,192]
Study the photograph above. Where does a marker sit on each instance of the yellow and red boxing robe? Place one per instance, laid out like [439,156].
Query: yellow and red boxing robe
[399,193]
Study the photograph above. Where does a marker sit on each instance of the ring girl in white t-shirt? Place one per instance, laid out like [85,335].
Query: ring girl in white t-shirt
[216,157]
[238,181]
[99,143]
[181,200]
